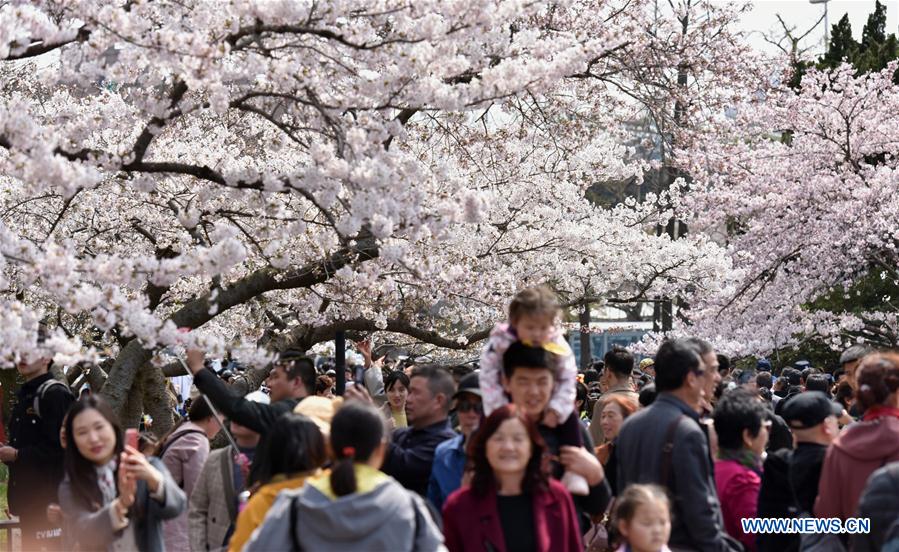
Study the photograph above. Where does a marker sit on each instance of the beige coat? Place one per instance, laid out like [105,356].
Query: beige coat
[213,505]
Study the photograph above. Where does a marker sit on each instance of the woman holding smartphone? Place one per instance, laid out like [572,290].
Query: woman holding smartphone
[114,497]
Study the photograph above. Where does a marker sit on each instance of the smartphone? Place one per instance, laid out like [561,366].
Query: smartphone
[131,436]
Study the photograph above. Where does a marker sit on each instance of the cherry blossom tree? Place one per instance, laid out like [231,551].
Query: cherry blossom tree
[803,186]
[273,172]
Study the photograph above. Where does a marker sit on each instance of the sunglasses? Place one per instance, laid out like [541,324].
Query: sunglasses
[468,406]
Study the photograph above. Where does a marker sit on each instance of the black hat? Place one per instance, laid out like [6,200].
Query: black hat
[854,353]
[469,384]
[808,409]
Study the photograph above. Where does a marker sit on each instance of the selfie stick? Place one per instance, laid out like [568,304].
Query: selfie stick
[215,413]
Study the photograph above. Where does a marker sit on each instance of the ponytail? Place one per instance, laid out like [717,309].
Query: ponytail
[343,477]
[357,431]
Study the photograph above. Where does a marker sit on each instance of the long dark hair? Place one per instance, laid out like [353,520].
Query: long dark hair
[536,475]
[294,444]
[82,472]
[356,432]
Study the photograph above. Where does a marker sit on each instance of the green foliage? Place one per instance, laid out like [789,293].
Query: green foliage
[874,32]
[873,53]
[842,45]
[875,291]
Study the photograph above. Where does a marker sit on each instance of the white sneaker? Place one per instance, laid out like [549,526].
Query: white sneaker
[575,483]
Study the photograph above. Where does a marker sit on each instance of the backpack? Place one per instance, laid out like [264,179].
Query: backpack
[42,390]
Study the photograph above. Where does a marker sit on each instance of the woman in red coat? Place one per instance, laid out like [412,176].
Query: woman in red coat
[863,447]
[512,504]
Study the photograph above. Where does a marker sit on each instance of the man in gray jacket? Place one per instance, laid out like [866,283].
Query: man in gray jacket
[665,444]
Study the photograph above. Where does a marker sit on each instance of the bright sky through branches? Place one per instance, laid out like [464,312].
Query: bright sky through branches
[802,15]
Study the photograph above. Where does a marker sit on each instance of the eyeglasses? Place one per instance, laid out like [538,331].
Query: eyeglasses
[468,406]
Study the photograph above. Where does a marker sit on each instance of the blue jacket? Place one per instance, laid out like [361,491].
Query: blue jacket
[446,474]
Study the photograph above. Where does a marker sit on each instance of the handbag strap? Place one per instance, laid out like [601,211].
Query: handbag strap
[295,542]
[797,508]
[668,450]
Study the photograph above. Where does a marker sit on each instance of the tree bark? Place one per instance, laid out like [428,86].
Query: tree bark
[133,407]
[95,377]
[250,380]
[72,376]
[157,400]
[304,337]
[9,386]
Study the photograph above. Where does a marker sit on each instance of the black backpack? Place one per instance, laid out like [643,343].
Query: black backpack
[42,390]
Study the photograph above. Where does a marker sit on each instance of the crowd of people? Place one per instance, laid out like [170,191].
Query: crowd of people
[524,453]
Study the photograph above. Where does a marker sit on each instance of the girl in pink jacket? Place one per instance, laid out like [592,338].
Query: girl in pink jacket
[533,316]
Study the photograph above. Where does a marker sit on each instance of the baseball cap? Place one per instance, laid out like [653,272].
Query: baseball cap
[469,384]
[808,409]
[763,365]
[646,362]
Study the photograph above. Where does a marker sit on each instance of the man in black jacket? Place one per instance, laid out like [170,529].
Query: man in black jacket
[666,444]
[790,477]
[34,454]
[291,380]
[410,454]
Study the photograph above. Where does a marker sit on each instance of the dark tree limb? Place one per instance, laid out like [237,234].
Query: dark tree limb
[304,337]
[197,312]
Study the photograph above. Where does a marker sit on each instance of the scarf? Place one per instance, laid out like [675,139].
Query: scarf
[106,480]
[880,412]
[742,456]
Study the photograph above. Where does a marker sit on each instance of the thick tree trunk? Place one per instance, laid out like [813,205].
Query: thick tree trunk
[118,390]
[72,376]
[9,386]
[251,380]
[157,400]
[133,407]
[95,377]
